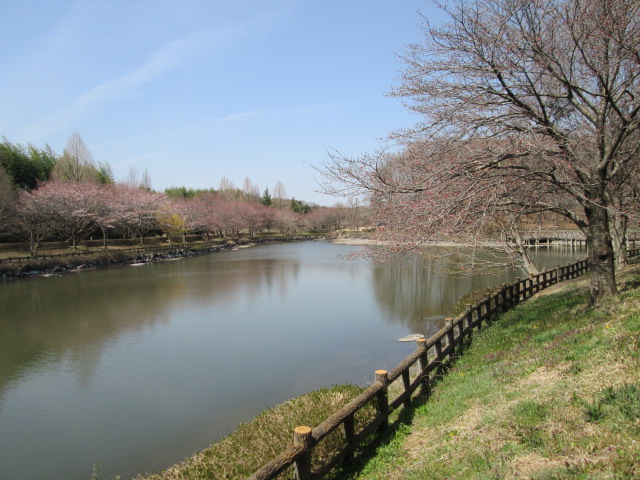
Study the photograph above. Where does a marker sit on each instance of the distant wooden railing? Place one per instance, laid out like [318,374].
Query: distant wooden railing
[427,363]
[130,251]
[151,249]
[566,238]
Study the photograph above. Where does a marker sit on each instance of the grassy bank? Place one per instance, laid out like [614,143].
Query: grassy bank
[550,391]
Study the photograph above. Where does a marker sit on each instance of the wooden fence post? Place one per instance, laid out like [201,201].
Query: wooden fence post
[349,432]
[487,302]
[503,294]
[469,310]
[469,319]
[450,334]
[425,385]
[479,315]
[302,438]
[406,382]
[558,273]
[383,399]
[461,331]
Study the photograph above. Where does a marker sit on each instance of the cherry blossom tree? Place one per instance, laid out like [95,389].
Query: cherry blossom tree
[232,215]
[287,222]
[534,105]
[136,210]
[71,208]
[250,217]
[37,215]
[106,213]
[209,213]
[324,219]
[76,207]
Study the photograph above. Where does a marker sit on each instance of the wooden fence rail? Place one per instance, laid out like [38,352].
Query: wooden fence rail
[427,363]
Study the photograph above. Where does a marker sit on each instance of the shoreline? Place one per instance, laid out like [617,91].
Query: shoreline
[369,241]
[114,258]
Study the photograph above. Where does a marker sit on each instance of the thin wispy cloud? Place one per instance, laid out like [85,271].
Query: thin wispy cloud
[206,127]
[305,110]
[167,58]
[201,128]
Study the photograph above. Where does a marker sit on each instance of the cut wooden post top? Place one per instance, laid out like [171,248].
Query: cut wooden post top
[302,437]
[302,430]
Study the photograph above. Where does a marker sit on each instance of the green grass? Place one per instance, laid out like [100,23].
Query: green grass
[550,391]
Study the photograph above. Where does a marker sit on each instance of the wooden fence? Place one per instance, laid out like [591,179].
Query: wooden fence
[416,374]
[151,249]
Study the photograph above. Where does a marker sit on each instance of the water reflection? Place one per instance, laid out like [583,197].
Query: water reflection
[70,319]
[417,293]
[137,368]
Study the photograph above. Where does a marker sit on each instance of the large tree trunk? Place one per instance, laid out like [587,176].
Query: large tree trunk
[619,224]
[33,245]
[600,253]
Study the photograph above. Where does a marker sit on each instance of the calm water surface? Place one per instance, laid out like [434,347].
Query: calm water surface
[134,369]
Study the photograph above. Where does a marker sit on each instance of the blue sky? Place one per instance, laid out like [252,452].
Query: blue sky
[197,90]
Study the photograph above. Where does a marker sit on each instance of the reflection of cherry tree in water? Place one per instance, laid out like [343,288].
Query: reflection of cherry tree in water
[418,293]
[70,321]
[61,326]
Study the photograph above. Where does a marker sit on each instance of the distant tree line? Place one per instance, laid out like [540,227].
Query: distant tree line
[71,197]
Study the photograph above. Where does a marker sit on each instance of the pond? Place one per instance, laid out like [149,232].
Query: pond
[133,369]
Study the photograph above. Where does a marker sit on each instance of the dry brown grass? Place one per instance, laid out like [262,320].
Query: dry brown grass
[257,442]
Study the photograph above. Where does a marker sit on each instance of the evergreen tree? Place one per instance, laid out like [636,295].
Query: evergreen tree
[299,207]
[266,198]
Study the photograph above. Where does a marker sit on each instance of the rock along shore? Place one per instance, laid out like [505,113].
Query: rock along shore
[115,258]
